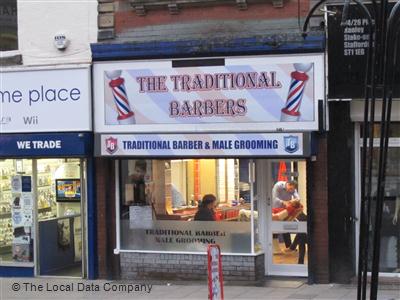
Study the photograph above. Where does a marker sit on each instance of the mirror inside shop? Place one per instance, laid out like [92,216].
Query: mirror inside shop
[188,189]
[54,200]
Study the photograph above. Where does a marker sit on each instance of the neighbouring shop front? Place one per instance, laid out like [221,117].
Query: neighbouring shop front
[176,131]
[390,232]
[46,173]
[346,108]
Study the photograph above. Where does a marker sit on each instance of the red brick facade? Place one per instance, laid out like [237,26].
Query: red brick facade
[319,245]
[126,18]
[106,226]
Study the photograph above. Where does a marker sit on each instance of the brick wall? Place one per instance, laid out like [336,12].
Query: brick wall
[105,20]
[101,217]
[126,18]
[246,269]
[318,218]
[118,20]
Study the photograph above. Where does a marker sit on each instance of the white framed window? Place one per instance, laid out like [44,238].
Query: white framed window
[390,232]
[8,25]
[167,205]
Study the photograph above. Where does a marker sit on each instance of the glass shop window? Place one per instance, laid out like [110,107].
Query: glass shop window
[185,204]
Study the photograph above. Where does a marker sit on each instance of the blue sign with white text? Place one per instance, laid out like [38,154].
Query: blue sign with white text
[201,145]
[67,144]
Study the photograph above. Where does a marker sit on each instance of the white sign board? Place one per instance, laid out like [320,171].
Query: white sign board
[263,93]
[45,101]
[140,216]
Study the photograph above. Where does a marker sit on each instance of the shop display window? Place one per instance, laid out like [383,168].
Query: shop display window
[394,130]
[16,211]
[185,204]
[390,231]
[57,182]
[28,197]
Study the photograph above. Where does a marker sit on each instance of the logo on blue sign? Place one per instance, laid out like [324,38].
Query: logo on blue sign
[111,145]
[291,143]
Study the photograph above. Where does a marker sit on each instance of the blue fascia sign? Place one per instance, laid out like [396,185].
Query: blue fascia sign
[49,144]
[294,144]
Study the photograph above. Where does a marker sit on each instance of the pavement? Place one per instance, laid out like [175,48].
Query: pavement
[51,288]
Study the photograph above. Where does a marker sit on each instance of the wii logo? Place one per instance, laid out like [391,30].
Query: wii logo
[32,120]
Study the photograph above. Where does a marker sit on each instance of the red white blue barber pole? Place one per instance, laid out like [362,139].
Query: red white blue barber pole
[125,114]
[215,278]
[291,111]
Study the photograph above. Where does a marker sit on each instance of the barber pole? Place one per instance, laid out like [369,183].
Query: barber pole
[125,113]
[291,111]
[215,277]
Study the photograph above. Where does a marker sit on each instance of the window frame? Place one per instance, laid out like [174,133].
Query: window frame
[394,142]
[118,249]
[14,51]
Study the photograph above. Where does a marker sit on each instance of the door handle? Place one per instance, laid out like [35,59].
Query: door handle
[353,219]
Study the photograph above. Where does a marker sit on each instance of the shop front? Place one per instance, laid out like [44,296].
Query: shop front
[389,265]
[46,174]
[196,152]
[346,108]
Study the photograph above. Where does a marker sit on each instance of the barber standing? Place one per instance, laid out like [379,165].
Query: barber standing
[283,194]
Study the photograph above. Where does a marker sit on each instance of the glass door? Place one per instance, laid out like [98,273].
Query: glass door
[41,221]
[59,198]
[286,209]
